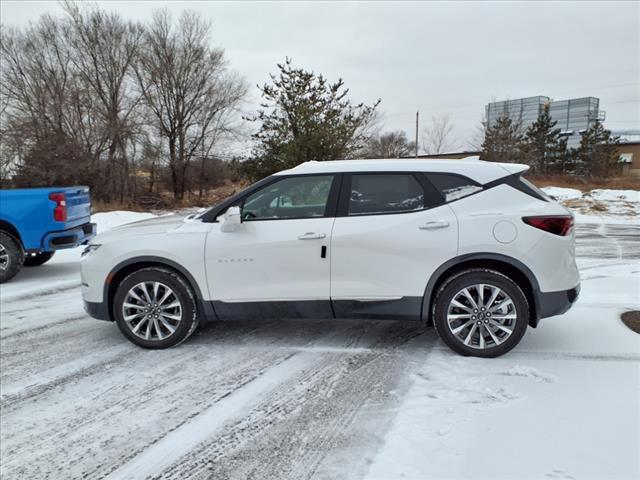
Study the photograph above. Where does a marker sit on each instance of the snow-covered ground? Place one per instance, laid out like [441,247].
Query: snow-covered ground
[612,206]
[323,399]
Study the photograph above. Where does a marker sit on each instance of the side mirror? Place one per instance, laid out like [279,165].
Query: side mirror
[231,220]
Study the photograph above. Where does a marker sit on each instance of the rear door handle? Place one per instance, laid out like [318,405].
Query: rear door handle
[434,225]
[311,236]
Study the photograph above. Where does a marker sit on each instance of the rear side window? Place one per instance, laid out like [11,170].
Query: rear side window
[372,194]
[453,187]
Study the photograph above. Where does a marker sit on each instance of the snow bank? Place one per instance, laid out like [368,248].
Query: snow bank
[599,205]
[563,193]
[606,195]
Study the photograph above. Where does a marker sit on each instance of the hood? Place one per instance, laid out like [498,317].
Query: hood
[163,224]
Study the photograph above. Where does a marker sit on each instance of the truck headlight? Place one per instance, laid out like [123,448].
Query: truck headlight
[90,248]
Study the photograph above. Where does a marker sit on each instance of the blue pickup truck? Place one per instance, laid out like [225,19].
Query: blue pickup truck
[35,222]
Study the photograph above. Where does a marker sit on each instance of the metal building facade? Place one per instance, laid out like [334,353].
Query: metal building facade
[573,115]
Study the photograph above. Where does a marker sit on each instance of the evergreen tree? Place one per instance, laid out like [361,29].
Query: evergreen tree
[543,148]
[503,141]
[305,117]
[597,154]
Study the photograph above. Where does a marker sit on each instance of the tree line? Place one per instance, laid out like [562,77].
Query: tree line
[138,110]
[124,107]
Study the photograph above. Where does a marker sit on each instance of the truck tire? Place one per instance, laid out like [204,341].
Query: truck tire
[37,259]
[11,257]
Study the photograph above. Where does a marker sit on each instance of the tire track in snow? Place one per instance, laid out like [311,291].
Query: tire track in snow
[292,430]
[63,286]
[184,438]
[20,317]
[103,426]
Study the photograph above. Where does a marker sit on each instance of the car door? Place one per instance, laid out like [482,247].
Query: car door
[275,263]
[391,233]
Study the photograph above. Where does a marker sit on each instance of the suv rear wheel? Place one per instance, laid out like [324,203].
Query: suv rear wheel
[481,313]
[155,308]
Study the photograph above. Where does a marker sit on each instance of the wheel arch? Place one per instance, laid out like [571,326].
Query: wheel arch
[129,266]
[513,268]
[11,230]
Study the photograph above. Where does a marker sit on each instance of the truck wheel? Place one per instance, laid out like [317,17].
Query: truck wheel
[37,259]
[155,308]
[11,257]
[480,312]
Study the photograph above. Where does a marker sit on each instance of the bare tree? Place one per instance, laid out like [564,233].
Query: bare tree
[477,137]
[436,137]
[104,48]
[43,95]
[389,145]
[187,88]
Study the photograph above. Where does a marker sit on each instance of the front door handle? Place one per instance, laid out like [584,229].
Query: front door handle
[311,236]
[434,225]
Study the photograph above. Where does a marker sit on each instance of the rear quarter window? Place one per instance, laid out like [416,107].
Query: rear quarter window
[453,187]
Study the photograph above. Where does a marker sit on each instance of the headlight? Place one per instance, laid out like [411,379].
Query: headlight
[90,248]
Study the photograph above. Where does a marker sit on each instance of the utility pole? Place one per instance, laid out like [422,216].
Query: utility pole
[417,123]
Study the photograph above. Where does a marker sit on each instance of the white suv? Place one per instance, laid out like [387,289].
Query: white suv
[467,245]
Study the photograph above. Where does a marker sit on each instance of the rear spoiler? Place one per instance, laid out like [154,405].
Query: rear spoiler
[514,168]
[511,168]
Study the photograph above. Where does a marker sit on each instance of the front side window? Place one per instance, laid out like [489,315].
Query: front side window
[385,193]
[453,187]
[292,197]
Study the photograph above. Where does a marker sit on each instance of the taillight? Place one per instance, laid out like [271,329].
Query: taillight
[60,210]
[556,224]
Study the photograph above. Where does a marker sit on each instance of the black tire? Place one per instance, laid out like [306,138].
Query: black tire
[11,257]
[183,293]
[468,279]
[37,259]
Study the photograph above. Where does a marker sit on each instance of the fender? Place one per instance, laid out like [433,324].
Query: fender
[203,306]
[517,264]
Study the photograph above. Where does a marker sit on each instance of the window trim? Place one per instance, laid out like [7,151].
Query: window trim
[514,181]
[345,193]
[329,210]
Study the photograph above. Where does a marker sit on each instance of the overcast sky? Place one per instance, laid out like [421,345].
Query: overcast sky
[437,57]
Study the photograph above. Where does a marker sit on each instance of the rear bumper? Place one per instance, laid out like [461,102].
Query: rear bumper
[556,303]
[97,310]
[69,238]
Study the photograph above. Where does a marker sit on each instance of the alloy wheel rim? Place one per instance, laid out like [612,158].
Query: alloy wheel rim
[4,258]
[152,311]
[481,316]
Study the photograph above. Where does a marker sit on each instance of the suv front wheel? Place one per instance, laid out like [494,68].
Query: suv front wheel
[481,313]
[155,308]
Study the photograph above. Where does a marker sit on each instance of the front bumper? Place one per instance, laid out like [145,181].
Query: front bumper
[69,238]
[97,310]
[556,303]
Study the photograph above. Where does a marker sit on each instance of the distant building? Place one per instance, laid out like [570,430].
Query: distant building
[573,116]
[629,157]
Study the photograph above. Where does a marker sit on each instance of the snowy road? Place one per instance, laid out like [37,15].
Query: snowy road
[322,399]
